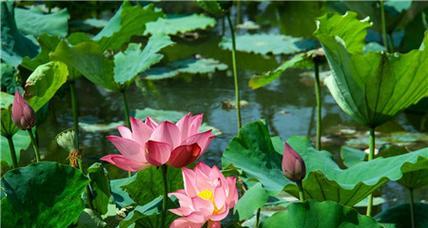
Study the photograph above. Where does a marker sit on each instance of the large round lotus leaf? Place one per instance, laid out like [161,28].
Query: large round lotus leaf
[45,194]
[370,87]
[319,214]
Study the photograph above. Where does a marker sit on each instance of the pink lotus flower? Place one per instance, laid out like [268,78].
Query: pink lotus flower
[150,143]
[207,197]
[22,114]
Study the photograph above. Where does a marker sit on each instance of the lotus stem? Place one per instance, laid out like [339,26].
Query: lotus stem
[412,207]
[383,24]
[372,145]
[235,73]
[165,194]
[126,108]
[301,191]
[258,217]
[35,147]
[319,104]
[75,110]
[238,12]
[12,152]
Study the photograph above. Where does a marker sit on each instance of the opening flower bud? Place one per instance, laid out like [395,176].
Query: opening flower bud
[22,114]
[293,165]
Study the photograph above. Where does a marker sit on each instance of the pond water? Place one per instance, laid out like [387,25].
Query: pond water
[287,104]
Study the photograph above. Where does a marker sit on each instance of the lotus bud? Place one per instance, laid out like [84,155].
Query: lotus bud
[22,114]
[293,165]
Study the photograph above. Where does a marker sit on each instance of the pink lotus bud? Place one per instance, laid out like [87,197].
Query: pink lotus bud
[22,114]
[293,165]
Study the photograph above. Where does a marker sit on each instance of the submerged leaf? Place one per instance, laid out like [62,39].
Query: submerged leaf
[319,214]
[370,87]
[133,60]
[43,83]
[179,24]
[45,194]
[187,66]
[269,44]
[34,22]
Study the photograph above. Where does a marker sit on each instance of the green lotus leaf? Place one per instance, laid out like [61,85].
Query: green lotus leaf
[186,66]
[133,60]
[43,83]
[120,197]
[88,59]
[370,87]
[319,214]
[269,44]
[212,7]
[100,187]
[14,45]
[47,44]
[21,141]
[253,199]
[252,152]
[45,194]
[9,82]
[34,22]
[144,213]
[399,216]
[127,22]
[265,78]
[148,184]
[179,24]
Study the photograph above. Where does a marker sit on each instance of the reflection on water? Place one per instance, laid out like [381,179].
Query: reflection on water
[287,104]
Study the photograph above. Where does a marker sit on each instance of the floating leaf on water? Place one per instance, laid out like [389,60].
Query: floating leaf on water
[370,87]
[248,25]
[35,22]
[43,83]
[269,44]
[95,22]
[376,201]
[133,60]
[36,195]
[319,214]
[351,156]
[174,116]
[14,45]
[179,24]
[187,66]
[127,22]
[229,104]
[94,127]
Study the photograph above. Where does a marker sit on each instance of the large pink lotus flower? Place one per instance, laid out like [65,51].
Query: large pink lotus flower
[150,143]
[207,197]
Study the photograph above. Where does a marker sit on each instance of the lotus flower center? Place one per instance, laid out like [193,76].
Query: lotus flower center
[208,195]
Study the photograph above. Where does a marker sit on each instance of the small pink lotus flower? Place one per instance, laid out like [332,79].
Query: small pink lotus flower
[293,165]
[150,143]
[22,114]
[207,197]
